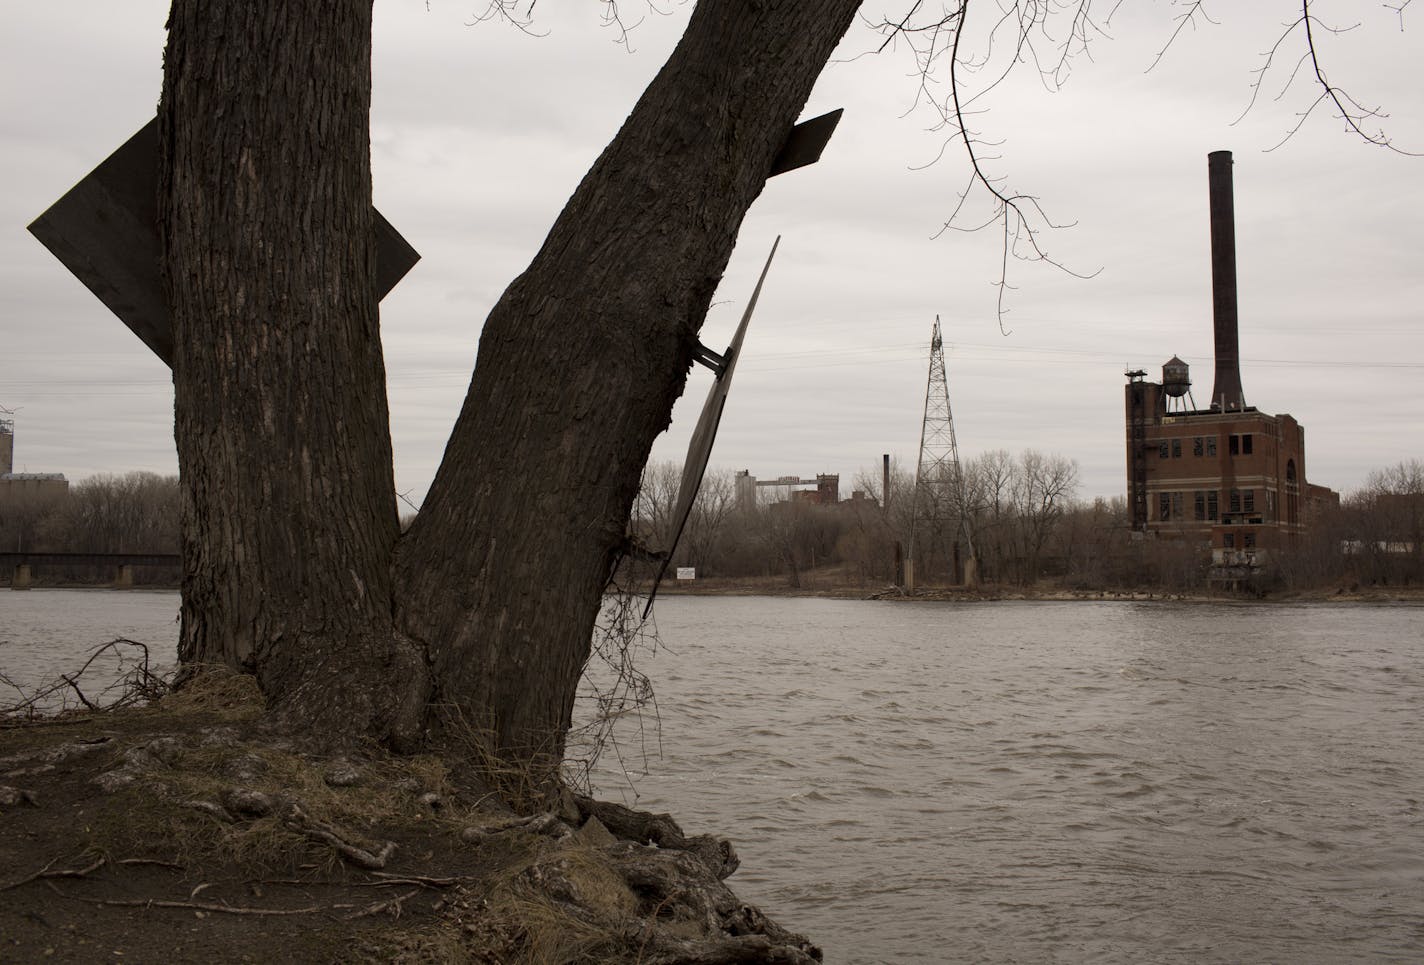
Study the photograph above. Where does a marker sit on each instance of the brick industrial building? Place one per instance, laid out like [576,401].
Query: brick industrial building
[1227,475]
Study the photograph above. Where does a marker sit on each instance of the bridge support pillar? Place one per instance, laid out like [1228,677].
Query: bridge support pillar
[125,579]
[21,579]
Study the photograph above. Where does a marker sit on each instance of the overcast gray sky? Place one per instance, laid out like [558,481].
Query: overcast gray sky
[481,132]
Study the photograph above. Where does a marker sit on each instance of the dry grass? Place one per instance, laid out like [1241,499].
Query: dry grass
[544,930]
[527,786]
[217,691]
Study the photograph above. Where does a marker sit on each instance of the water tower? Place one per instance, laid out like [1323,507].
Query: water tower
[1177,385]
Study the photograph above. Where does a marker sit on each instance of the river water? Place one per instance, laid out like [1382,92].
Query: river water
[1016,782]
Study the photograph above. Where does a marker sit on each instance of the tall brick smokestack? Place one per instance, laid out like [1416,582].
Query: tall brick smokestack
[1226,391]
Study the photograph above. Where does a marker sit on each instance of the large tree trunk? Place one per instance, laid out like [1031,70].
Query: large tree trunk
[289,513]
[580,362]
[292,569]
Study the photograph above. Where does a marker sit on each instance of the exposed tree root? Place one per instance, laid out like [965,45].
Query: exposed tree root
[575,881]
[298,820]
[661,830]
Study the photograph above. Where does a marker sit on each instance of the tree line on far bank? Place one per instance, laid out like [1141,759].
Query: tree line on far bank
[132,513]
[1026,525]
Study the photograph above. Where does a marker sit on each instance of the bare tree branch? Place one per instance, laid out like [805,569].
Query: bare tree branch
[1049,35]
[1399,8]
[936,41]
[1348,109]
[1183,20]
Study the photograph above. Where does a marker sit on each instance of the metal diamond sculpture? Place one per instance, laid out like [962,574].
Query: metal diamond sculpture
[105,231]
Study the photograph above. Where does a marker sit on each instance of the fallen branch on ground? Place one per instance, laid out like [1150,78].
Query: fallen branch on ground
[391,907]
[191,905]
[45,872]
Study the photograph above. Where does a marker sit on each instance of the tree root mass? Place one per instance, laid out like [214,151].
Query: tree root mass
[181,833]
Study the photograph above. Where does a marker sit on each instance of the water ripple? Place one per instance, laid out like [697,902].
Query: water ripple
[1078,782]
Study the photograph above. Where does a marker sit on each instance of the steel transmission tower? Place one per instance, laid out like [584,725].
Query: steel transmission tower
[939,518]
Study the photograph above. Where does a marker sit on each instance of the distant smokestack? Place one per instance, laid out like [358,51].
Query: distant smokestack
[1226,391]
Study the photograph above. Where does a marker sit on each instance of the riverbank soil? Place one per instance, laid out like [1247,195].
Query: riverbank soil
[186,831]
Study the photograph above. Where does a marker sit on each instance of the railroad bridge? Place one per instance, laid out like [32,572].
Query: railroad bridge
[21,565]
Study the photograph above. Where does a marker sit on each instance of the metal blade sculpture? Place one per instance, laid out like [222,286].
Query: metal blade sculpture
[699,450]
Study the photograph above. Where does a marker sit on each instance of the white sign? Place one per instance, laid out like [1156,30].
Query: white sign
[687,572]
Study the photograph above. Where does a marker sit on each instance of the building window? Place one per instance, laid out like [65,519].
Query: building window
[1197,446]
[1199,505]
[1211,505]
[1249,541]
[1248,500]
[1292,494]
[1164,449]
[1234,502]
[1176,448]
[1246,444]
[1211,445]
[1228,540]
[1177,506]
[1164,506]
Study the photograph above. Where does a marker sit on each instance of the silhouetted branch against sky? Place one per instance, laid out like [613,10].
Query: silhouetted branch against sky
[1351,111]
[520,15]
[1047,36]
[479,134]
[958,63]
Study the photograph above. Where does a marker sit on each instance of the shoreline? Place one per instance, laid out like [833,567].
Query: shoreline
[188,830]
[713,587]
[823,588]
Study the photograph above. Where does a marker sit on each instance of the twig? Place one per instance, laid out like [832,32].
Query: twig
[46,873]
[74,685]
[152,861]
[194,905]
[139,684]
[394,879]
[393,906]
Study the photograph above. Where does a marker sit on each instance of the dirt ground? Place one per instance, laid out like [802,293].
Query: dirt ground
[183,832]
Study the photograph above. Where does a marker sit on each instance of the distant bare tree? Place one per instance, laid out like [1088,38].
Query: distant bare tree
[653,507]
[716,498]
[989,483]
[1044,487]
[25,521]
[1385,523]
[132,513]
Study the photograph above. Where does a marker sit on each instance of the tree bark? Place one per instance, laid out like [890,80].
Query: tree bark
[502,574]
[289,514]
[292,566]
